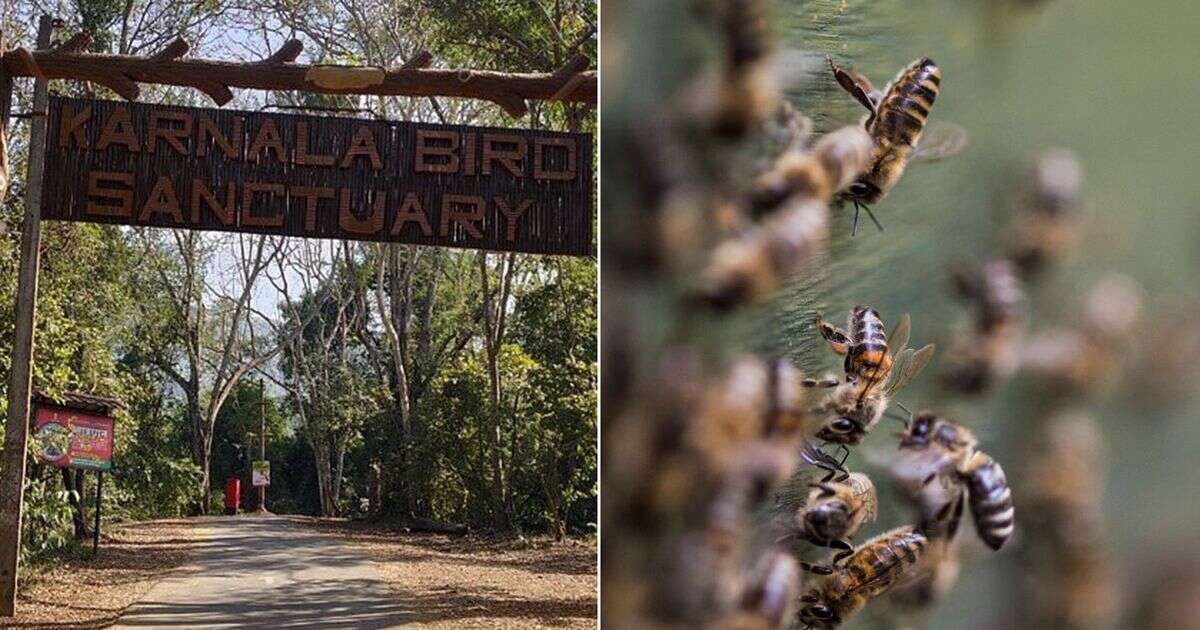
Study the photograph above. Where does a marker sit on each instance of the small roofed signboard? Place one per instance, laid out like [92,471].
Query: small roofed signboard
[319,176]
[73,438]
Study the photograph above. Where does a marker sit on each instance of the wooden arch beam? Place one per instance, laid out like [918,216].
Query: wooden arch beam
[122,73]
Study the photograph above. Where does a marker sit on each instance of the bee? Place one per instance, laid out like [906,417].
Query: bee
[873,374]
[870,571]
[836,510]
[1087,353]
[896,121]
[954,458]
[991,350]
[1047,223]
[749,265]
[768,599]
[747,92]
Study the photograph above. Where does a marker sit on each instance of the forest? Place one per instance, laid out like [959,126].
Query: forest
[424,387]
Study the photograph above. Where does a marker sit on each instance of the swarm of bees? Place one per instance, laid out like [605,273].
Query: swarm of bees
[706,440]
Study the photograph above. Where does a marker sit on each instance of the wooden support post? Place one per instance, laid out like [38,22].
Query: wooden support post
[262,440]
[99,498]
[16,431]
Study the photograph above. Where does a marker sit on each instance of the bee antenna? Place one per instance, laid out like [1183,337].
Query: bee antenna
[873,219]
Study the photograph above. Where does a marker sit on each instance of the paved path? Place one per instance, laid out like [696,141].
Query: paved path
[268,572]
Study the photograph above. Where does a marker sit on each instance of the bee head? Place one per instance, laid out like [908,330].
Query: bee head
[817,615]
[827,521]
[860,191]
[841,430]
[919,431]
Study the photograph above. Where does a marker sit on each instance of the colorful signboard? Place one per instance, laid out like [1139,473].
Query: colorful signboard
[261,473]
[74,439]
[491,188]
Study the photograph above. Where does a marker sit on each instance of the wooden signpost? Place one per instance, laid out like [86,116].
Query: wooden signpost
[445,185]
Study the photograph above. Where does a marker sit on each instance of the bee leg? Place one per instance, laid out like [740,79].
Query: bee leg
[846,548]
[928,480]
[956,518]
[873,219]
[842,464]
[837,339]
[819,569]
[854,230]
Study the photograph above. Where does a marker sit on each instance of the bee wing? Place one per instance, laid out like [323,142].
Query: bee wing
[912,366]
[898,338]
[938,142]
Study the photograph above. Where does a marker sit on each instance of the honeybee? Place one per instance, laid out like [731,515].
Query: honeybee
[896,122]
[768,600]
[991,350]
[836,510]
[953,457]
[870,571]
[1047,223]
[749,265]
[1086,354]
[873,374]
[818,174]
[747,92]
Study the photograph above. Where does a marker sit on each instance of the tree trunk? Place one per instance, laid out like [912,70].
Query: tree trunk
[324,479]
[73,484]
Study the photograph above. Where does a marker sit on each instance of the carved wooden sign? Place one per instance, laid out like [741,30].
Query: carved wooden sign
[318,176]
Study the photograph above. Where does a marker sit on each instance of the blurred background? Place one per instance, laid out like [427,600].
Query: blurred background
[1113,81]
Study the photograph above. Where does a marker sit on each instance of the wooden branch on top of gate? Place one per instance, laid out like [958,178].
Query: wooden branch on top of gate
[121,73]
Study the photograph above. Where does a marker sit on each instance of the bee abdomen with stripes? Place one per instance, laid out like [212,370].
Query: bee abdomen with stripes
[990,499]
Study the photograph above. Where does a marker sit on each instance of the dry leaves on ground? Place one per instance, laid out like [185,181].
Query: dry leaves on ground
[84,592]
[472,582]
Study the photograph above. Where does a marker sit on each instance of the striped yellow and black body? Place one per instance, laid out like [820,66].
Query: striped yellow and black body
[869,572]
[868,357]
[954,458]
[990,499]
[865,346]
[990,352]
[895,124]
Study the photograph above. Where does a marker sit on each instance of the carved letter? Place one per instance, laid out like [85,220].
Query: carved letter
[539,168]
[124,198]
[425,151]
[70,126]
[311,194]
[224,213]
[175,136]
[512,216]
[162,200]
[362,144]
[118,129]
[372,224]
[267,139]
[208,129]
[509,159]
[305,158]
[467,219]
[411,210]
[275,218]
